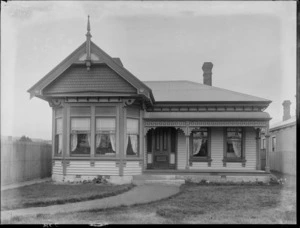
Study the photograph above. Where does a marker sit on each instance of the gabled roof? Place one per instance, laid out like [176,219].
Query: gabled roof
[99,57]
[187,91]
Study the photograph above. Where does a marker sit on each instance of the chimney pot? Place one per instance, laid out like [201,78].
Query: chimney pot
[286,110]
[207,73]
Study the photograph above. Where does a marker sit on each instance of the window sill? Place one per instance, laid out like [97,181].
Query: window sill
[80,155]
[133,158]
[105,156]
[203,159]
[234,160]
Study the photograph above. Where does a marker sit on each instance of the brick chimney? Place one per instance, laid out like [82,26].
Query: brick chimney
[207,66]
[286,110]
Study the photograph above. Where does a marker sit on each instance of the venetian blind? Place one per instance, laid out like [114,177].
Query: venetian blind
[132,126]
[80,124]
[105,124]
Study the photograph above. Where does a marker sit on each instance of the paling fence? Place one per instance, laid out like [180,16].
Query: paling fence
[283,161]
[23,161]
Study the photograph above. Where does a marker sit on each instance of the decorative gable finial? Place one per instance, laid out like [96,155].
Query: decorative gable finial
[88,61]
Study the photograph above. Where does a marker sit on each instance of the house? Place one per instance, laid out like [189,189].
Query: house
[283,143]
[106,122]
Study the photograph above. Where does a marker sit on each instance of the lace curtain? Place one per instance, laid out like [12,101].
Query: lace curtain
[236,144]
[60,144]
[73,142]
[112,138]
[134,144]
[197,146]
[98,139]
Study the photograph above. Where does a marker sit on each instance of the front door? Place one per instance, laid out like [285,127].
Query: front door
[161,150]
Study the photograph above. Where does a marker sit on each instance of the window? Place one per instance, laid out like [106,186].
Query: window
[132,139]
[105,136]
[199,143]
[80,136]
[263,144]
[58,137]
[273,144]
[234,147]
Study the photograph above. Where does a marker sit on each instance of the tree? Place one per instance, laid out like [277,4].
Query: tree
[25,139]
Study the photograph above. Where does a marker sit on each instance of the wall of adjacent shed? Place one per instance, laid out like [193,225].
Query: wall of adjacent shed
[24,161]
[217,151]
[283,159]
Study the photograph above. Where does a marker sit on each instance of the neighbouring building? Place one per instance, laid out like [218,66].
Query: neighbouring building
[107,122]
[283,143]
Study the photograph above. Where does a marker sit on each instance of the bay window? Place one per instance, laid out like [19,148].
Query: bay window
[58,137]
[105,136]
[80,136]
[132,139]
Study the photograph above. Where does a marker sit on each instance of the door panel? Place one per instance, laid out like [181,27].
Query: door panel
[161,152]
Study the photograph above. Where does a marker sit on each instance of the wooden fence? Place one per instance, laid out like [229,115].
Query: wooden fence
[283,161]
[23,161]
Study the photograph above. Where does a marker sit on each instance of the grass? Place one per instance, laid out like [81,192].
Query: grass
[50,193]
[196,204]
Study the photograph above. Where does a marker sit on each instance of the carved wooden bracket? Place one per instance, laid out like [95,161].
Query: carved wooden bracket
[127,102]
[56,103]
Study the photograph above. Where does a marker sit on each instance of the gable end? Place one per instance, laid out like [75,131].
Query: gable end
[100,78]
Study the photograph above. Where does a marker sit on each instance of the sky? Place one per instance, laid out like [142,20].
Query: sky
[252,46]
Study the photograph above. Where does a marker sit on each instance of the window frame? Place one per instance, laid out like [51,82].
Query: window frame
[207,158]
[241,159]
[56,144]
[138,137]
[80,132]
[97,131]
[273,144]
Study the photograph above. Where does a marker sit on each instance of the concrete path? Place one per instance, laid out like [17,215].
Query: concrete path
[139,194]
[25,183]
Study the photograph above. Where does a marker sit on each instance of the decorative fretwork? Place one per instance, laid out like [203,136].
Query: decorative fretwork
[249,123]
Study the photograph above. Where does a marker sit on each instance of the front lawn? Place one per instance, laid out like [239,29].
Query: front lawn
[200,204]
[50,193]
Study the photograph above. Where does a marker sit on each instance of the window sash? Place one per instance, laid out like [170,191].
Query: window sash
[199,141]
[76,144]
[58,144]
[234,143]
[132,144]
[105,143]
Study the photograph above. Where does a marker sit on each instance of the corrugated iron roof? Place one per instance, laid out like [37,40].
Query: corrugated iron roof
[188,91]
[291,121]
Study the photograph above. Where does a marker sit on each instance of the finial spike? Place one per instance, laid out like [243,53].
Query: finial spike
[88,25]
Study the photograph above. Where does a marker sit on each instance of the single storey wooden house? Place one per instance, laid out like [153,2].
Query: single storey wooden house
[107,122]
